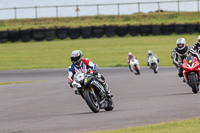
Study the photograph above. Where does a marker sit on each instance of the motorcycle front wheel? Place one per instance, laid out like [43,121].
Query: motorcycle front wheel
[154,66]
[91,100]
[194,84]
[137,69]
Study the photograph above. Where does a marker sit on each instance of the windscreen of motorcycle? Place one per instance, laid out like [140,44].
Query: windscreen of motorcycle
[190,59]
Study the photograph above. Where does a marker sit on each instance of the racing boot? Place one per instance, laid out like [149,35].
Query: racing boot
[107,90]
[184,80]
[76,91]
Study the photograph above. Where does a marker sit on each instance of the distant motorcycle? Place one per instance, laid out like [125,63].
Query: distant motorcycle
[135,66]
[191,72]
[93,92]
[153,63]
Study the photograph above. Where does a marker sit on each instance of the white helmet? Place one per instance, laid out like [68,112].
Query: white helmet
[130,53]
[199,38]
[76,57]
[150,52]
[180,43]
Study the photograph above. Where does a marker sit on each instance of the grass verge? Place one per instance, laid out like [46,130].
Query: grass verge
[187,126]
[106,52]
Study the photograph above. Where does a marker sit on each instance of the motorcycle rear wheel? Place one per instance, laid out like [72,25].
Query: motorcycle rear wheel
[91,100]
[194,84]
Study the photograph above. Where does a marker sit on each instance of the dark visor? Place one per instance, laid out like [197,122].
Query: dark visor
[75,60]
[180,45]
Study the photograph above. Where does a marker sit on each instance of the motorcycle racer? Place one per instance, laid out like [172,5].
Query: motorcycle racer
[196,46]
[181,52]
[81,65]
[149,54]
[132,58]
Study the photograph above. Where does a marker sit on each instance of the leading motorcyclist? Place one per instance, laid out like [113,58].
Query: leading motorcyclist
[181,52]
[81,65]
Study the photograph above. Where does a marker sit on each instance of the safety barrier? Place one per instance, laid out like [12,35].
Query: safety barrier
[96,32]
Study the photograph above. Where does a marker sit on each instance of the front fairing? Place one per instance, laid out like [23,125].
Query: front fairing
[190,64]
[152,59]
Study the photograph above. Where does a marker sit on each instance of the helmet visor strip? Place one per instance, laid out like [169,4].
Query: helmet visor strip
[76,60]
[180,45]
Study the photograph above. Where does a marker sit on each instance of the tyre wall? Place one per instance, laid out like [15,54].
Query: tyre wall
[110,31]
[62,33]
[96,32]
[26,35]
[38,34]
[14,36]
[50,34]
[74,33]
[3,36]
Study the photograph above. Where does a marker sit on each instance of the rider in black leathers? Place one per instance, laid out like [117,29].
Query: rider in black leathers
[196,46]
[181,52]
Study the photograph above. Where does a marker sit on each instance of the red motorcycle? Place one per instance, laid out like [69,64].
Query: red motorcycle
[191,72]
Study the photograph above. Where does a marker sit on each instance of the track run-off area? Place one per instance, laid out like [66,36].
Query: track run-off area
[51,106]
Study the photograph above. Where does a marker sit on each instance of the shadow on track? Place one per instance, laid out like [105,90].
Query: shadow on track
[88,113]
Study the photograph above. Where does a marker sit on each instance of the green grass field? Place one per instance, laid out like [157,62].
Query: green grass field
[106,52]
[187,126]
[134,19]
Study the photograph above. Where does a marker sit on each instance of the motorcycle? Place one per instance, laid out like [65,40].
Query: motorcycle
[153,63]
[191,72]
[135,66]
[93,92]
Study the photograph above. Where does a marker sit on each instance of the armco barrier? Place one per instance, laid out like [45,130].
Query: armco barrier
[179,28]
[134,30]
[86,32]
[168,29]
[26,35]
[156,30]
[145,30]
[3,36]
[190,28]
[74,33]
[62,33]
[50,34]
[98,31]
[38,34]
[13,36]
[110,31]
[122,31]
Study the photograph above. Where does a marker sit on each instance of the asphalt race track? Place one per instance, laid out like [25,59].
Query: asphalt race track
[52,106]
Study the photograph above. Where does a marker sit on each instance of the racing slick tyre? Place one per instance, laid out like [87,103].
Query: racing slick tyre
[137,70]
[154,68]
[91,100]
[194,85]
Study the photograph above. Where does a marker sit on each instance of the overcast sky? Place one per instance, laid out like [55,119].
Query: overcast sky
[28,3]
